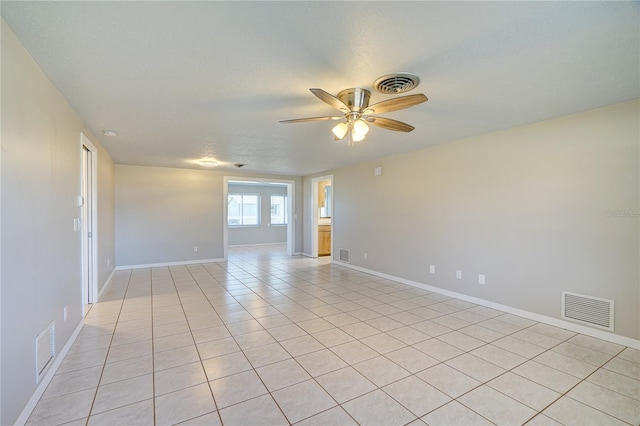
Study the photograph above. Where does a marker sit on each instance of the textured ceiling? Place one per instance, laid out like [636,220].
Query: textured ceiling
[181,80]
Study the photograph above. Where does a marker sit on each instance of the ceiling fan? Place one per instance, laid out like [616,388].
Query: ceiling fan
[357,113]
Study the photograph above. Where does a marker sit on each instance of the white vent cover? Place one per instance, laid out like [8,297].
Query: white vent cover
[588,310]
[45,350]
[345,256]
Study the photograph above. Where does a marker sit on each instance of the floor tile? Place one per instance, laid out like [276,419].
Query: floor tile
[546,376]
[457,414]
[253,320]
[303,400]
[605,400]
[225,365]
[566,364]
[624,367]
[354,352]
[383,343]
[62,409]
[301,345]
[596,344]
[448,380]
[416,395]
[438,349]
[73,381]
[475,367]
[257,411]
[381,371]
[378,408]
[571,412]
[177,378]
[345,384]
[267,354]
[523,390]
[332,416]
[237,388]
[184,405]
[218,347]
[332,337]
[282,374]
[140,413]
[496,407]
[616,382]
[412,359]
[175,357]
[320,362]
[498,356]
[124,392]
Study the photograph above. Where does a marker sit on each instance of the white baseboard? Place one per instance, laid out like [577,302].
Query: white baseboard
[257,244]
[106,284]
[42,386]
[163,264]
[306,254]
[598,334]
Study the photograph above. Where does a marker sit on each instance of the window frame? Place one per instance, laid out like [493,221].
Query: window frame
[242,216]
[284,206]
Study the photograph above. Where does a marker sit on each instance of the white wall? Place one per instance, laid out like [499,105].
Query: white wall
[162,213]
[40,249]
[527,207]
[265,233]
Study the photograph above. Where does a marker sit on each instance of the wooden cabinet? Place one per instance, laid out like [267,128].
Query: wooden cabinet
[324,240]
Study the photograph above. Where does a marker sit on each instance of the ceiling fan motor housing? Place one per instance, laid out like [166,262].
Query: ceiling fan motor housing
[356,99]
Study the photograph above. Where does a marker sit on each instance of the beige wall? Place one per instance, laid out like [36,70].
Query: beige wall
[527,207]
[40,249]
[161,213]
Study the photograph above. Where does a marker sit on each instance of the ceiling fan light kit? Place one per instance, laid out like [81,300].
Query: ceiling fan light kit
[357,114]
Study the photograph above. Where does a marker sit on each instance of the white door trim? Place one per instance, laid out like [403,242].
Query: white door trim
[93,286]
[315,213]
[290,206]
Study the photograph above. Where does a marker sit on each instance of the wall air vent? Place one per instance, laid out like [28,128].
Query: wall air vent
[588,310]
[45,350]
[345,256]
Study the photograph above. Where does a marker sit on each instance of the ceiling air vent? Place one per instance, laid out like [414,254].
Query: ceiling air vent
[396,83]
[588,310]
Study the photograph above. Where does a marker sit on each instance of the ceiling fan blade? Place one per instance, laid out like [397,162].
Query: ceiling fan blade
[396,103]
[328,98]
[302,120]
[389,124]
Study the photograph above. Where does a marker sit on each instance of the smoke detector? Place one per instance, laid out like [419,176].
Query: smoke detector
[396,83]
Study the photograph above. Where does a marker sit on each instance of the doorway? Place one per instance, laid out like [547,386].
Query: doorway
[322,223]
[88,212]
[279,211]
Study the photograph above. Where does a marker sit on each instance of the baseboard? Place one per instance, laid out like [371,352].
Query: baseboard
[42,386]
[258,244]
[106,284]
[306,254]
[163,264]
[598,334]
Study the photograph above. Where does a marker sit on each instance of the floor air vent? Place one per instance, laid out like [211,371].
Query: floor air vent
[588,310]
[345,256]
[45,350]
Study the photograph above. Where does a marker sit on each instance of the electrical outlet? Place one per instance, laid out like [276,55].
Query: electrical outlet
[481,279]
[459,274]
[108,262]
[65,312]
[195,249]
[432,269]
[366,255]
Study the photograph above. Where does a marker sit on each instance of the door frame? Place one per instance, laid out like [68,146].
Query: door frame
[315,214]
[89,283]
[290,209]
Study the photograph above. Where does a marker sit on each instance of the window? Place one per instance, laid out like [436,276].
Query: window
[279,210]
[243,210]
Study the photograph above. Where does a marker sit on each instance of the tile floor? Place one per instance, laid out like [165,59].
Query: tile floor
[270,340]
